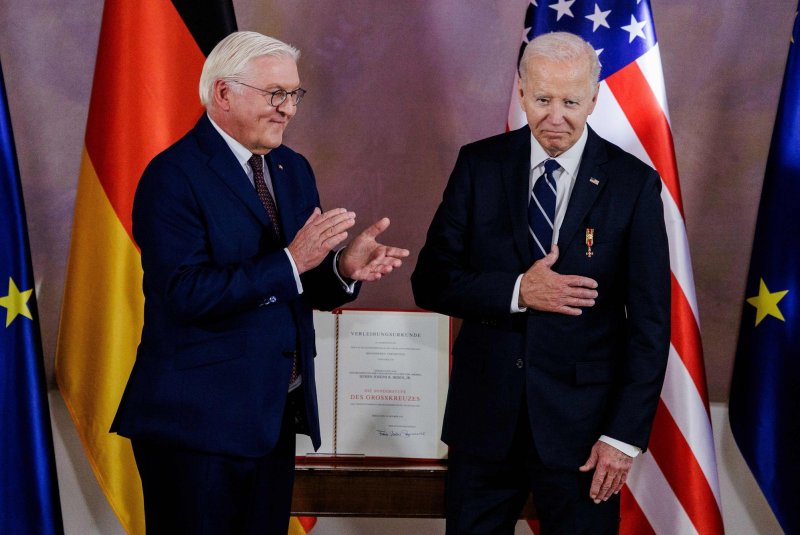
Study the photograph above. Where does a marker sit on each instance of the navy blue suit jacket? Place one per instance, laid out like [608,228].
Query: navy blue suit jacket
[222,310]
[581,376]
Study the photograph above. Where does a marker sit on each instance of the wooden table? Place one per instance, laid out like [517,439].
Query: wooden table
[370,488]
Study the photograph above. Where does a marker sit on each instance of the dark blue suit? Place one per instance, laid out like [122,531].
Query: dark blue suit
[570,378]
[222,310]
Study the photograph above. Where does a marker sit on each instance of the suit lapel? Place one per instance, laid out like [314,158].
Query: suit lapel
[224,164]
[590,182]
[516,163]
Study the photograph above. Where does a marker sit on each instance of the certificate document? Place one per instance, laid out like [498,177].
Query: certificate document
[383,392]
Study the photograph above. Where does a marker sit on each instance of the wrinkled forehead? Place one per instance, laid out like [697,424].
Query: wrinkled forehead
[572,75]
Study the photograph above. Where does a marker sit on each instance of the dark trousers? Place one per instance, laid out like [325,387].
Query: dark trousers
[486,496]
[198,493]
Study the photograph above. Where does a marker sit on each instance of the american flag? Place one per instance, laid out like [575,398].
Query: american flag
[673,488]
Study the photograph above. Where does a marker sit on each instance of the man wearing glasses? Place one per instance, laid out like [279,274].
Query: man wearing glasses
[236,253]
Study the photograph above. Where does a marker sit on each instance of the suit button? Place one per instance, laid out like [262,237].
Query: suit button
[520,363]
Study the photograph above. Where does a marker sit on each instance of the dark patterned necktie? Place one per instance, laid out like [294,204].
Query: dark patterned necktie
[257,165]
[542,210]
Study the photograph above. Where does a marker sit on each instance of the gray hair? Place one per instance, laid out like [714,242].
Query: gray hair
[560,46]
[229,59]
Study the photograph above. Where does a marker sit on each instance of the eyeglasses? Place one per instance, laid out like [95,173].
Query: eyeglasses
[278,97]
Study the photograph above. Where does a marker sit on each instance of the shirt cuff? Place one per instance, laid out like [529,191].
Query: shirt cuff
[294,271]
[515,298]
[624,447]
[349,287]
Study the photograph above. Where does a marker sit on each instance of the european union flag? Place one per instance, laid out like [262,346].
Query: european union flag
[29,501]
[765,394]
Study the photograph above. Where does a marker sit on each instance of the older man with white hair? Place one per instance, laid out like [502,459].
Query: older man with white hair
[236,253]
[550,243]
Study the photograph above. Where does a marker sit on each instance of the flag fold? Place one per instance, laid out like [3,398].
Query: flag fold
[29,499]
[765,392]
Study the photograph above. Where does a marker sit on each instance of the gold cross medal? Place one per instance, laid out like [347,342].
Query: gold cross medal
[589,242]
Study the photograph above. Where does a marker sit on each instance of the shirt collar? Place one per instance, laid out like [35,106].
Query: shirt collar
[240,151]
[569,160]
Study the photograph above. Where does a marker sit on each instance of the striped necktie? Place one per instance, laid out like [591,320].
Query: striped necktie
[542,210]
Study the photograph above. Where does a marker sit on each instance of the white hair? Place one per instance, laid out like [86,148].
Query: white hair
[229,59]
[560,46]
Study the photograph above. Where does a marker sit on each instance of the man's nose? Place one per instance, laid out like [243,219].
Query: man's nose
[287,107]
[556,114]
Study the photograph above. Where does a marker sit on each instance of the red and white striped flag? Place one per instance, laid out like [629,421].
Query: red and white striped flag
[673,488]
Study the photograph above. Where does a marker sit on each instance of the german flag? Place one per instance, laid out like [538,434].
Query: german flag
[144,97]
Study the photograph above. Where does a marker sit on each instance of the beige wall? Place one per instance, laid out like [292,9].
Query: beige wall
[395,89]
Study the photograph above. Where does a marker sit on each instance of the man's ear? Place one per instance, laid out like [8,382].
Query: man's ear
[221,94]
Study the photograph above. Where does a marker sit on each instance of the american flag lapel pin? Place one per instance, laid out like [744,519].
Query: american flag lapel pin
[594,181]
[280,166]
[589,242]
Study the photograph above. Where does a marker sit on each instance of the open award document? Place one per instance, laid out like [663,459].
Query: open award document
[381,383]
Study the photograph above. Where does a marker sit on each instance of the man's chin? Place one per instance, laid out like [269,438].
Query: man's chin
[272,142]
[556,144]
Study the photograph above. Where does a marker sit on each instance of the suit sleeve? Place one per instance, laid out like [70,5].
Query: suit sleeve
[648,302]
[323,290]
[454,274]
[171,227]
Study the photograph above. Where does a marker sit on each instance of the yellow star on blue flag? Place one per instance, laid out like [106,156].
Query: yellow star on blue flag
[766,303]
[16,302]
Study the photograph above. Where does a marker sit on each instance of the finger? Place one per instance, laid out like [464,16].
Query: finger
[619,481]
[606,488]
[387,259]
[333,212]
[576,281]
[597,482]
[386,268]
[585,303]
[590,463]
[376,228]
[366,275]
[569,311]
[333,217]
[397,252]
[552,256]
[388,255]
[328,219]
[614,484]
[331,242]
[313,217]
[579,293]
[330,228]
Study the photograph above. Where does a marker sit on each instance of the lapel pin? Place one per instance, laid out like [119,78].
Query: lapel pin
[594,181]
[589,242]
[280,166]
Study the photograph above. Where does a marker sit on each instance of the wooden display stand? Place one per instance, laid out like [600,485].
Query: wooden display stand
[372,488]
[369,483]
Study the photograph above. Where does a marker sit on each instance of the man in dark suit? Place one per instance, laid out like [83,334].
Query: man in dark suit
[236,253]
[564,290]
